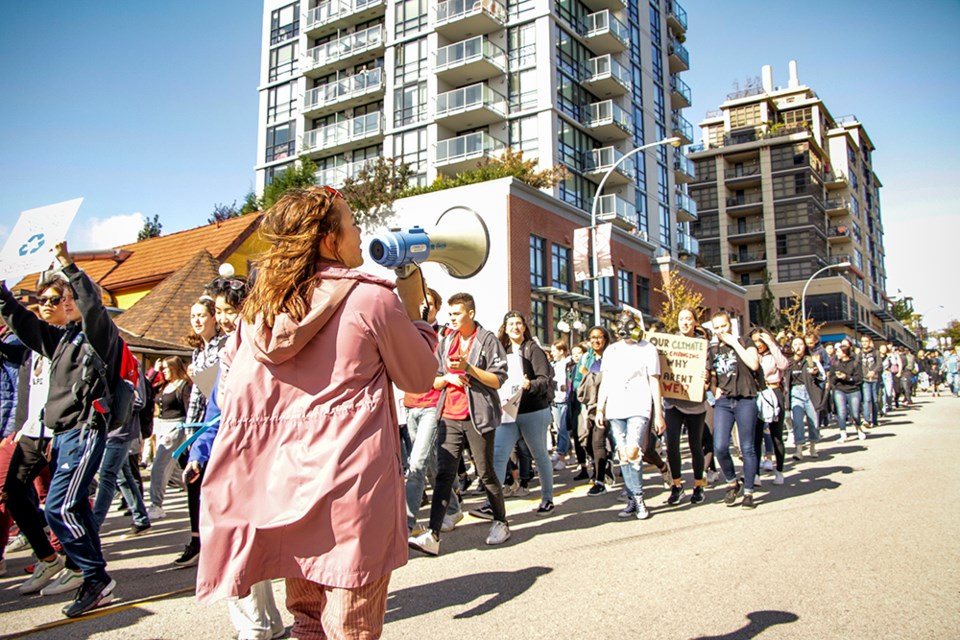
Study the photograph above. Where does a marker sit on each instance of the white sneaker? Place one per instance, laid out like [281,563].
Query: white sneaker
[499,533]
[559,465]
[842,438]
[43,573]
[65,582]
[18,543]
[155,513]
[641,513]
[861,435]
[777,478]
[766,465]
[555,456]
[425,542]
[756,480]
[508,490]
[521,492]
[450,521]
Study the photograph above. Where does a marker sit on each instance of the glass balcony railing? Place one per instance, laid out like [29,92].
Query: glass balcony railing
[345,47]
[604,22]
[688,245]
[343,89]
[467,51]
[606,66]
[602,159]
[613,207]
[686,203]
[473,97]
[678,13]
[682,127]
[681,87]
[341,133]
[684,164]
[473,145]
[607,112]
[336,176]
[678,50]
[453,10]
[330,10]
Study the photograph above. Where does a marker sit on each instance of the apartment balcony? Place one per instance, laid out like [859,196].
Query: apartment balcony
[597,5]
[680,95]
[469,61]
[599,162]
[836,181]
[745,232]
[468,107]
[688,246]
[350,49]
[606,77]
[742,176]
[461,19]
[747,260]
[676,17]
[341,136]
[337,176]
[342,94]
[606,34]
[686,207]
[839,207]
[682,128]
[608,122]
[744,204]
[331,15]
[464,152]
[613,208]
[684,168]
[839,234]
[678,57]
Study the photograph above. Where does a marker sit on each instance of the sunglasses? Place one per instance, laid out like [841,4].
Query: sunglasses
[232,283]
[333,192]
[51,301]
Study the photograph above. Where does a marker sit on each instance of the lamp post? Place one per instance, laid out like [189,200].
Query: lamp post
[675,141]
[803,296]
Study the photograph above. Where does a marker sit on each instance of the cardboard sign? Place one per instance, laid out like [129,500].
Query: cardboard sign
[30,246]
[683,362]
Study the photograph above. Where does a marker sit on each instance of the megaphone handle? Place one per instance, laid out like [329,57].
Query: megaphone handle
[406,270]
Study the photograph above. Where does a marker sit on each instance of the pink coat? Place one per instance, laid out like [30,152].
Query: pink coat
[305,479]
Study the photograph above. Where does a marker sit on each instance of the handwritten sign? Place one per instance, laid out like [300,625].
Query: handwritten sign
[683,362]
[29,247]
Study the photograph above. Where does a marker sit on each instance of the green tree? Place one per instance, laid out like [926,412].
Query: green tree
[250,204]
[300,174]
[677,295]
[151,228]
[222,212]
[952,331]
[372,193]
[902,309]
[769,316]
[509,164]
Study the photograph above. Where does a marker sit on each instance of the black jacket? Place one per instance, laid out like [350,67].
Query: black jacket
[852,371]
[74,385]
[537,368]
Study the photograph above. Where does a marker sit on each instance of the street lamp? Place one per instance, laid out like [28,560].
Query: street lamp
[675,141]
[803,296]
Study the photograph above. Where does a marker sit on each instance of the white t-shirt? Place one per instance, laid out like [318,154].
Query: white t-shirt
[625,367]
[560,380]
[39,386]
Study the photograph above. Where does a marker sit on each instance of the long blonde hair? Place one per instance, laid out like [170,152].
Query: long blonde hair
[285,274]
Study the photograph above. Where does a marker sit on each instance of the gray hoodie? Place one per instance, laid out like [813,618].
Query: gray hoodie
[488,354]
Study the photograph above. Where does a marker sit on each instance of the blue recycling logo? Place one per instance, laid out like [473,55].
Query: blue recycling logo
[33,244]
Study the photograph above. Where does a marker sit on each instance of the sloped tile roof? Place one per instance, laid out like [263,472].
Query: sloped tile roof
[96,269]
[164,314]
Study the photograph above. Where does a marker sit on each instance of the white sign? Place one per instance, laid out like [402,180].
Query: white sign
[30,246]
[682,364]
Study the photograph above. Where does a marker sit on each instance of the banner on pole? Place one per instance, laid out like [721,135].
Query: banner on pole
[604,257]
[29,248]
[683,362]
[581,254]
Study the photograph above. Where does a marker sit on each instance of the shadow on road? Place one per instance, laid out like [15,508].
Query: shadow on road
[760,621]
[500,586]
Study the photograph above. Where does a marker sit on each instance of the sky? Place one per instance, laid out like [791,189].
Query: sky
[150,109]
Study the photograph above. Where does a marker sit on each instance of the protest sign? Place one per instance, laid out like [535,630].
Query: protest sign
[682,364]
[29,248]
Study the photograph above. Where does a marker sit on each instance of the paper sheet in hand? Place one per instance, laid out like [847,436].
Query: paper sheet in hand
[29,248]
[683,362]
[512,406]
[206,379]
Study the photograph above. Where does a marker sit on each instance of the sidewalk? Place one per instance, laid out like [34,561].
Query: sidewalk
[858,543]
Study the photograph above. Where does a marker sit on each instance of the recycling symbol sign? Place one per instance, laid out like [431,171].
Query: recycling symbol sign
[33,244]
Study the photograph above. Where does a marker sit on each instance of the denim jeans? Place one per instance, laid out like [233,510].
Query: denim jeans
[627,433]
[114,463]
[422,425]
[800,405]
[559,412]
[870,402]
[848,406]
[533,427]
[163,466]
[743,411]
[75,459]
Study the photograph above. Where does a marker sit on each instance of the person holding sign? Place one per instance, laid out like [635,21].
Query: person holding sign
[629,389]
[692,414]
[735,388]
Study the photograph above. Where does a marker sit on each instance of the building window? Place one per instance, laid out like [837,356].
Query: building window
[665,234]
[606,291]
[538,320]
[625,287]
[410,104]
[281,102]
[643,294]
[412,17]
[538,262]
[522,90]
[272,173]
[410,63]
[745,116]
[283,62]
[281,141]
[522,46]
[411,148]
[643,223]
[560,259]
[285,23]
[524,136]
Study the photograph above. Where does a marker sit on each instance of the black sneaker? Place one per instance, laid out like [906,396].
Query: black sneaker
[697,496]
[730,496]
[136,530]
[189,557]
[676,494]
[546,508]
[747,502]
[598,489]
[583,475]
[91,594]
[484,513]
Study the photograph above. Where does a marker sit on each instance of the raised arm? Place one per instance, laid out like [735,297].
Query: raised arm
[98,327]
[33,332]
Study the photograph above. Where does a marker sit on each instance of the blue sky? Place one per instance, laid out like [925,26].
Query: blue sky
[151,109]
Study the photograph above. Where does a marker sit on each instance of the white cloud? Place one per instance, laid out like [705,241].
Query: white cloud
[105,233]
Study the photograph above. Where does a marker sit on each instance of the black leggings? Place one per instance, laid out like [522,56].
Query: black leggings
[675,420]
[776,432]
[26,463]
[193,501]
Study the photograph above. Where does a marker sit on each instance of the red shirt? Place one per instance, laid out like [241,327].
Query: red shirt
[457,406]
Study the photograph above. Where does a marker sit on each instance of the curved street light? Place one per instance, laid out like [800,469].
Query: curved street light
[803,296]
[675,141]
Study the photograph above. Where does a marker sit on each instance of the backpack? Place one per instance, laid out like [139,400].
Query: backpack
[117,405]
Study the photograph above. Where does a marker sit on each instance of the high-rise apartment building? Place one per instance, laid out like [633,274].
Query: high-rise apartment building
[785,187]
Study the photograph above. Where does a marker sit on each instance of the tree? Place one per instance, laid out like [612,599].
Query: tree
[507,165]
[902,309]
[769,318]
[250,204]
[300,174]
[151,228]
[372,193]
[952,331]
[794,321]
[222,212]
[677,295]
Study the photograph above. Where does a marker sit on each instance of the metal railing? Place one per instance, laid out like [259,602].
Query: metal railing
[331,10]
[604,22]
[677,49]
[743,172]
[684,164]
[336,176]
[345,88]
[674,9]
[345,132]
[686,203]
[608,112]
[743,229]
[344,47]
[472,97]
[453,10]
[604,158]
[613,206]
[748,256]
[738,201]
[682,126]
[681,87]
[465,147]
[603,66]
[470,50]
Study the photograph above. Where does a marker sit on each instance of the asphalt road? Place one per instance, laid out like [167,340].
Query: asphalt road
[860,543]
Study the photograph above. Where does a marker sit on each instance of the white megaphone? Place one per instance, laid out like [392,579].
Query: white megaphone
[459,241]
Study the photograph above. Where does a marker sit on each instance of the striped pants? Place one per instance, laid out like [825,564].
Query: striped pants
[339,614]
